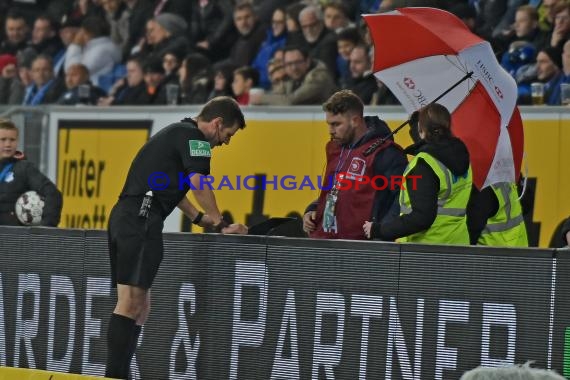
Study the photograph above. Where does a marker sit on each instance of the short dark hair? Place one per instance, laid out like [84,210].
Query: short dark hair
[8,124]
[226,108]
[300,48]
[96,26]
[351,34]
[344,101]
[435,121]
[248,72]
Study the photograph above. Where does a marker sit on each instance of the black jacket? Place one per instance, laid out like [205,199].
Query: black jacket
[454,155]
[25,177]
[389,162]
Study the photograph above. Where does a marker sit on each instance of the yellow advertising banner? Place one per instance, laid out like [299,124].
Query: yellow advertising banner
[92,163]
[286,150]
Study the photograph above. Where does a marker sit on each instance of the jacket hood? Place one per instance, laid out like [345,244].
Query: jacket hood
[377,128]
[451,152]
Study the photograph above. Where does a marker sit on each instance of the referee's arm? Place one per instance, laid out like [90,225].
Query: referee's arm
[205,198]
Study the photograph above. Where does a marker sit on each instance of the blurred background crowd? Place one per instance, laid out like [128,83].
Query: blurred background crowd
[281,52]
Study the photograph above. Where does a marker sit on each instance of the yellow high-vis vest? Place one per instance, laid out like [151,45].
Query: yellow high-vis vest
[450,224]
[506,228]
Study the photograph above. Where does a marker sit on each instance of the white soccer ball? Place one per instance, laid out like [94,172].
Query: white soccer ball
[29,208]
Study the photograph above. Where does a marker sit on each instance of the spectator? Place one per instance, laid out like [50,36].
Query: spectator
[466,13]
[8,74]
[276,68]
[320,41]
[346,40]
[17,175]
[245,78]
[336,16]
[195,79]
[520,62]
[362,81]
[250,35]
[153,77]
[504,27]
[294,33]
[171,61]
[44,88]
[130,90]
[223,79]
[549,71]
[140,11]
[165,33]
[45,38]
[19,83]
[210,29]
[526,27]
[67,31]
[93,47]
[308,81]
[117,15]
[546,13]
[276,39]
[17,31]
[561,31]
[78,75]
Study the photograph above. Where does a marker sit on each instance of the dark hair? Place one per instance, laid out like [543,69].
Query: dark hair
[351,34]
[196,63]
[302,49]
[338,6]
[292,11]
[435,121]
[45,57]
[248,72]
[226,108]
[54,25]
[96,26]
[16,14]
[8,124]
[342,102]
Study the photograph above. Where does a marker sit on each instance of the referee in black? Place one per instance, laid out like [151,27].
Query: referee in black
[136,221]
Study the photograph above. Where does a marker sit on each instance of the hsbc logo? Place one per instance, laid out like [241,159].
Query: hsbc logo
[409,83]
[499,92]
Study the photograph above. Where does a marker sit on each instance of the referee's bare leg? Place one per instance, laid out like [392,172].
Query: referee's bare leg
[130,314]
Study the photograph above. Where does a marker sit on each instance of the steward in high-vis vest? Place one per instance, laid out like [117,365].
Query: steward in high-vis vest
[338,213]
[495,217]
[438,184]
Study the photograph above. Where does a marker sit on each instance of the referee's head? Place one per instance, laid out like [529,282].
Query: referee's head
[226,108]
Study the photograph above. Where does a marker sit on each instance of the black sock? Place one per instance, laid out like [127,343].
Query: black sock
[133,345]
[119,338]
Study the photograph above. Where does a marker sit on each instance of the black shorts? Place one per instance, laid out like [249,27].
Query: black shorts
[135,244]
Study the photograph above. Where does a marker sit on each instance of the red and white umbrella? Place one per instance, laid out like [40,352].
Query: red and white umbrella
[420,53]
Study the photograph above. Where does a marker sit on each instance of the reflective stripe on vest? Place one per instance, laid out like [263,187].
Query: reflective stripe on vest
[506,227]
[450,225]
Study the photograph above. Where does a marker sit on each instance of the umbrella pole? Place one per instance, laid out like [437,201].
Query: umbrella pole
[381,141]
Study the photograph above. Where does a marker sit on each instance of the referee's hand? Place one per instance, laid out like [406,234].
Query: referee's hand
[235,228]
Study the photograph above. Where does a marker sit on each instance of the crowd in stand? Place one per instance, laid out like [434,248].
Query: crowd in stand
[126,52]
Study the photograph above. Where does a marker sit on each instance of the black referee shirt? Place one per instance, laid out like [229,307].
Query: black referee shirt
[165,161]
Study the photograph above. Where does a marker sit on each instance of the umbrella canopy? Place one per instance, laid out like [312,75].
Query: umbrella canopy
[420,53]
